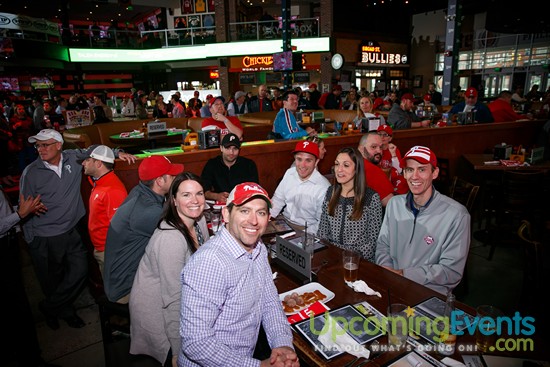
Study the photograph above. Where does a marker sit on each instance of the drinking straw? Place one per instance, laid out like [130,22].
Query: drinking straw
[305,236]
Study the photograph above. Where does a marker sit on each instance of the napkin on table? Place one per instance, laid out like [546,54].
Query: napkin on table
[361,286]
[452,362]
[342,341]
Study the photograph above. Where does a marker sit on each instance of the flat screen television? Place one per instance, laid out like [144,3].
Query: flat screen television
[287,61]
[10,84]
[42,82]
[282,61]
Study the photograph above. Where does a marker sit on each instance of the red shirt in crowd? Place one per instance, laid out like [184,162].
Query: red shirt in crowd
[107,194]
[502,111]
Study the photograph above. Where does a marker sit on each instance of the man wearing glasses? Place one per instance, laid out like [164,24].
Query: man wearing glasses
[58,254]
[470,104]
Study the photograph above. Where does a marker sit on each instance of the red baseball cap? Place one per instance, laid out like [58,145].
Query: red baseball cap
[422,155]
[386,128]
[379,101]
[307,147]
[208,96]
[408,96]
[246,191]
[337,87]
[471,92]
[156,166]
[427,97]
[313,85]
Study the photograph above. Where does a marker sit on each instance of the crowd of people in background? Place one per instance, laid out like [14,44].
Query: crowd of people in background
[22,118]
[143,240]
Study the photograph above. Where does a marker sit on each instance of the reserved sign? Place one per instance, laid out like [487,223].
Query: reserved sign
[155,127]
[294,256]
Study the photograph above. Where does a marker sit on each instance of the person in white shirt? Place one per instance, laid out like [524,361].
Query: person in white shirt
[128,108]
[299,196]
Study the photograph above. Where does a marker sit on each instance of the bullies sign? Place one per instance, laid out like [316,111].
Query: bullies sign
[372,54]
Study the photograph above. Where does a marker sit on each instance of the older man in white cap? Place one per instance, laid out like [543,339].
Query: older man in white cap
[239,105]
[55,245]
[425,236]
[108,192]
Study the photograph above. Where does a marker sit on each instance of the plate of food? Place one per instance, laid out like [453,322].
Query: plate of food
[302,297]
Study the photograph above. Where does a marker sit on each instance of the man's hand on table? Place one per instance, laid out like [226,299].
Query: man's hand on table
[282,357]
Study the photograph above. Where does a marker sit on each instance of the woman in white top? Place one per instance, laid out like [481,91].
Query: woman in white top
[365,110]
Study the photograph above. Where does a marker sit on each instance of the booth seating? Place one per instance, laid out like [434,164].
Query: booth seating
[85,136]
[258,123]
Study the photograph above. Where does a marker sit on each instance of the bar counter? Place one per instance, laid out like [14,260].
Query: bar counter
[448,143]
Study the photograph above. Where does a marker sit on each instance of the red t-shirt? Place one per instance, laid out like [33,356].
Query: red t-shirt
[209,121]
[386,160]
[502,111]
[377,180]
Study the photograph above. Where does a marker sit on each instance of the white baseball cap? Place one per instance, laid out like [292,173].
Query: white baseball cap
[103,153]
[46,134]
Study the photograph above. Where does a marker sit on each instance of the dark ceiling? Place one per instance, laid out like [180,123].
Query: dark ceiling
[79,10]
[391,17]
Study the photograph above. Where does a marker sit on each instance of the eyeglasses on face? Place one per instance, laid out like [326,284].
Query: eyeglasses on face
[384,135]
[43,145]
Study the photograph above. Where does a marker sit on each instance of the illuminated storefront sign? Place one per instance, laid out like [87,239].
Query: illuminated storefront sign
[372,54]
[265,63]
[214,75]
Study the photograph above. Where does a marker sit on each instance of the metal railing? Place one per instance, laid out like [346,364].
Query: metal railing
[158,38]
[272,29]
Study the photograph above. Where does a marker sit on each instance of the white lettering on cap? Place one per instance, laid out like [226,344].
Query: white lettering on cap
[232,138]
[306,143]
[253,188]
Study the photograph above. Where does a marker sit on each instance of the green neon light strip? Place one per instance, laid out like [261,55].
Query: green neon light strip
[321,44]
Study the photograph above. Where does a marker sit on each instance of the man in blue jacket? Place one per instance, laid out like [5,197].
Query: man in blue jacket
[471,104]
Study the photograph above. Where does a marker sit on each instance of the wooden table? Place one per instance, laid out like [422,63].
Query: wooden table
[476,162]
[392,287]
[150,139]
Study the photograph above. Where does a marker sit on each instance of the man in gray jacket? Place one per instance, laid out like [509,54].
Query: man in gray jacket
[58,253]
[133,225]
[425,236]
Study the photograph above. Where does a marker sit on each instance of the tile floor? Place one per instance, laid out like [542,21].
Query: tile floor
[497,282]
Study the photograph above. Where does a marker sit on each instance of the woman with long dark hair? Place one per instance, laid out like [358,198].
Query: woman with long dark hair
[156,292]
[352,212]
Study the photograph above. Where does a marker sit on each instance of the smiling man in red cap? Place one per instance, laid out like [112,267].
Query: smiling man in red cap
[299,196]
[401,116]
[471,104]
[133,225]
[425,236]
[228,291]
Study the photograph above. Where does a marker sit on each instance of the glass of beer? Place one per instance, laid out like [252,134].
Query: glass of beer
[350,261]
[487,330]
